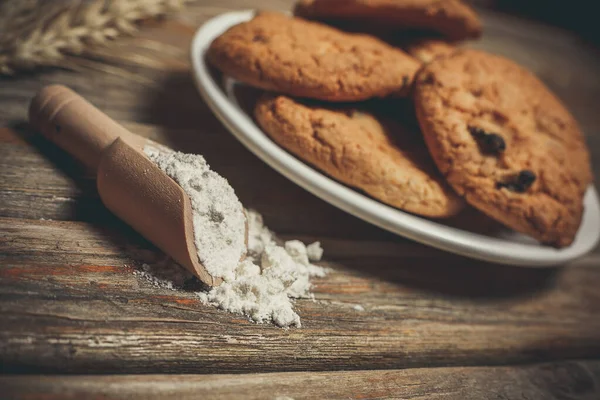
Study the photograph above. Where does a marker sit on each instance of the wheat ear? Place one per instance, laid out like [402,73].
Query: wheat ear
[42,36]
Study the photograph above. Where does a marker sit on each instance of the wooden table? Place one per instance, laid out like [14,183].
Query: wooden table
[433,325]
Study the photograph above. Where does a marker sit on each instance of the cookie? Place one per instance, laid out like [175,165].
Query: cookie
[505,143]
[426,50]
[378,156]
[308,59]
[451,18]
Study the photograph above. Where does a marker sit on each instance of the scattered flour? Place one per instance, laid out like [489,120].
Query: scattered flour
[297,250]
[264,284]
[358,307]
[268,280]
[165,275]
[314,251]
[218,215]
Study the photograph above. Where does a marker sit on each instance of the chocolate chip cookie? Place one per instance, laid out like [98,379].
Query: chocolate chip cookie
[505,143]
[308,59]
[451,18]
[381,157]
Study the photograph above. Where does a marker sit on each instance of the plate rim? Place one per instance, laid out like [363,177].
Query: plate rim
[413,227]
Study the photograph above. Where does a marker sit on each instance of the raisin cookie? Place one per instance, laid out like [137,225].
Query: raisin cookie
[451,18]
[505,143]
[308,59]
[378,156]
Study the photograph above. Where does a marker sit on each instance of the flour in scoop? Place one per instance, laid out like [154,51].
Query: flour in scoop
[218,216]
[264,284]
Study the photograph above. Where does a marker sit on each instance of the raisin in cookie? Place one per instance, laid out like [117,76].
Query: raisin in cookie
[378,156]
[505,143]
[451,18]
[308,59]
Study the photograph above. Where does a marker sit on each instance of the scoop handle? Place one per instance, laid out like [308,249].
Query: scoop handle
[74,124]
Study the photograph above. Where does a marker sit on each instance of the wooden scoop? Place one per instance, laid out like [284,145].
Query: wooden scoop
[129,184]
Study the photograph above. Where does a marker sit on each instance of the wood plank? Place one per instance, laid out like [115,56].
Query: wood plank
[559,381]
[70,305]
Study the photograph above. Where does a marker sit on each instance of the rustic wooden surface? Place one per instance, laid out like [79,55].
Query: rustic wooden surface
[553,381]
[69,302]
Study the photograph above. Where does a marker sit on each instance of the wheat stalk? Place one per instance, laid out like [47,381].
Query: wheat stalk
[40,33]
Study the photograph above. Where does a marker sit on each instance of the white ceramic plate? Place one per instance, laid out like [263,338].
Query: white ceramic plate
[505,247]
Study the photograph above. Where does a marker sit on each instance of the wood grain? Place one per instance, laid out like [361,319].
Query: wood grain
[554,381]
[70,303]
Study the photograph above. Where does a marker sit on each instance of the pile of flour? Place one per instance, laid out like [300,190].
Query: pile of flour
[264,284]
[269,278]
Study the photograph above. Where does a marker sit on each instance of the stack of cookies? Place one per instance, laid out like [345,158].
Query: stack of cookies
[473,128]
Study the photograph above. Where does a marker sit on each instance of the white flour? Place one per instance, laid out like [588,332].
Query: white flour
[268,280]
[263,285]
[314,251]
[258,235]
[219,221]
